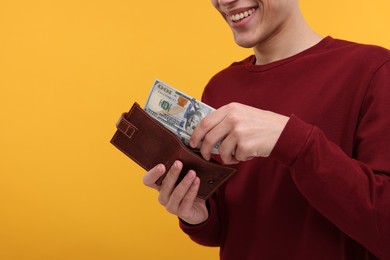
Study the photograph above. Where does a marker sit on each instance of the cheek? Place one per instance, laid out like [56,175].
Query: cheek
[215,3]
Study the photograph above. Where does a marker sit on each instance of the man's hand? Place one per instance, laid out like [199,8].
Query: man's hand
[245,132]
[178,200]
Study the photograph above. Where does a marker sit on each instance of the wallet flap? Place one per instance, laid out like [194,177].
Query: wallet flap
[148,143]
[125,126]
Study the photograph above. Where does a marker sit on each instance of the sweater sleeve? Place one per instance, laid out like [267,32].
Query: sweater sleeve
[351,192]
[208,232]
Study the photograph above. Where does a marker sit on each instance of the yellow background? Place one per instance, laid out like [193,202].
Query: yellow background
[68,69]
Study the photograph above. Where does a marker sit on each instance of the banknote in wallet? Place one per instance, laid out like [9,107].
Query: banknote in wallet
[148,143]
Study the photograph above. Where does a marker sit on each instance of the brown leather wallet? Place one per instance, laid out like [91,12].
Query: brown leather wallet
[148,143]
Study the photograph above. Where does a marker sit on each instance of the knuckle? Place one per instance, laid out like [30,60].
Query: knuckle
[146,179]
[244,153]
[165,180]
[236,133]
[185,182]
[171,209]
[169,179]
[208,140]
[222,149]
[233,105]
[204,123]
[233,118]
[223,152]
[162,200]
[145,182]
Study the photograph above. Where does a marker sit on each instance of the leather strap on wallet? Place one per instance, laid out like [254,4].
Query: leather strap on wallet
[148,143]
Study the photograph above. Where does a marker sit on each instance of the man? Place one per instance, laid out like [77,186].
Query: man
[306,122]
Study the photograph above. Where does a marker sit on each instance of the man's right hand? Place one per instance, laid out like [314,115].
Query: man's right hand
[178,200]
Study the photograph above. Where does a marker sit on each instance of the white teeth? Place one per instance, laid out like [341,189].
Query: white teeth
[238,17]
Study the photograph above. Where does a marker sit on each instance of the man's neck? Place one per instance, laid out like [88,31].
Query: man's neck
[287,42]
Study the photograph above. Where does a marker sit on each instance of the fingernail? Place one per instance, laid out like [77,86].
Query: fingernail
[159,168]
[196,181]
[190,175]
[176,164]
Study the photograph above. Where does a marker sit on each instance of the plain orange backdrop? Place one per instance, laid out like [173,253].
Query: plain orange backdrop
[68,69]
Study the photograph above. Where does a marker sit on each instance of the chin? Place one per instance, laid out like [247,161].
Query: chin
[245,43]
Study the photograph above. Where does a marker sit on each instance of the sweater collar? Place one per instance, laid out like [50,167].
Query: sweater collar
[249,63]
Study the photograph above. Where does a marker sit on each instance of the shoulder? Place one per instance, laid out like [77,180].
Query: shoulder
[360,52]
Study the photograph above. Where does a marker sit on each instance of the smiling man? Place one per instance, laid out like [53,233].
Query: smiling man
[306,122]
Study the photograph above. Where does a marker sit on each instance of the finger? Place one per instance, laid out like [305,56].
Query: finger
[169,182]
[187,203]
[153,175]
[227,150]
[245,154]
[215,135]
[180,192]
[208,123]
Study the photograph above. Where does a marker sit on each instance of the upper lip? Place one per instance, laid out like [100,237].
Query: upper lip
[239,10]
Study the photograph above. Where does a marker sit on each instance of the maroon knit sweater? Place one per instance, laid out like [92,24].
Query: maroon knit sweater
[324,192]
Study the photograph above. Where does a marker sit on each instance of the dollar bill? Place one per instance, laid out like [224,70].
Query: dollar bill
[176,111]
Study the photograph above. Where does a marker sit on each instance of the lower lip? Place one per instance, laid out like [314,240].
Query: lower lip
[242,23]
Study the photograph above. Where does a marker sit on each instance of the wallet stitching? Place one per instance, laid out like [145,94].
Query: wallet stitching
[129,125]
[146,168]
[137,107]
[133,128]
[117,146]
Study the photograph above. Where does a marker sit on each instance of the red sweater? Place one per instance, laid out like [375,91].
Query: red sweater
[324,192]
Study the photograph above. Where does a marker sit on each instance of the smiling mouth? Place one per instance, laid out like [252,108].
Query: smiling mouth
[235,18]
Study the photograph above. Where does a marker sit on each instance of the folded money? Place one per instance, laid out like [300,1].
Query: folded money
[176,111]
